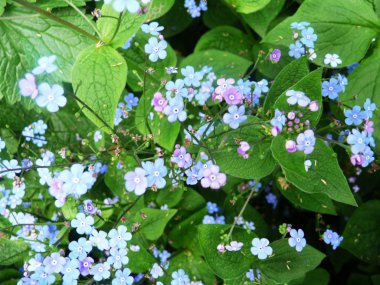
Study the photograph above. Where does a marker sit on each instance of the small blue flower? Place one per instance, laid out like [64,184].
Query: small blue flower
[177,88]
[99,239]
[297,239]
[332,238]
[128,43]
[82,224]
[118,257]
[192,78]
[296,50]
[244,86]
[123,277]
[342,80]
[153,28]
[79,249]
[132,6]
[354,116]
[155,49]
[306,141]
[54,263]
[2,144]
[180,278]
[41,277]
[45,64]
[70,271]
[299,26]
[297,97]
[39,127]
[235,116]
[358,140]
[331,88]
[155,172]
[261,87]
[76,180]
[131,100]
[119,237]
[50,97]
[101,271]
[308,37]
[208,220]
[368,156]
[175,110]
[279,120]
[271,199]
[369,108]
[212,208]
[261,248]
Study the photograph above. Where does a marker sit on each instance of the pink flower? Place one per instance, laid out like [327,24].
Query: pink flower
[158,102]
[212,178]
[291,146]
[275,55]
[28,86]
[368,126]
[314,106]
[275,131]
[232,96]
[357,159]
[221,248]
[234,246]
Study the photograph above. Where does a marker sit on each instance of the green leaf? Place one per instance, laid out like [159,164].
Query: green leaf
[99,76]
[142,260]
[192,200]
[361,235]
[247,6]
[316,202]
[287,264]
[288,76]
[311,86]
[318,276]
[2,5]
[324,176]
[176,20]
[228,265]
[117,34]
[341,25]
[23,41]
[48,4]
[70,209]
[170,196]
[364,82]
[153,223]
[7,274]
[218,14]
[12,251]
[164,133]
[11,143]
[138,63]
[260,162]
[226,38]
[224,64]
[259,21]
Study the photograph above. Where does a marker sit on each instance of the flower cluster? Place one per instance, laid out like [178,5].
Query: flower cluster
[304,44]
[46,96]
[123,108]
[132,6]
[333,238]
[213,217]
[35,133]
[195,10]
[333,87]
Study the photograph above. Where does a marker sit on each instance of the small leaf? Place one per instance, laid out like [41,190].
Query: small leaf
[247,6]
[12,251]
[70,209]
[99,76]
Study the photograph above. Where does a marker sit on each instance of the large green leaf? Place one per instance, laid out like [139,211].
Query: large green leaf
[287,264]
[99,76]
[12,251]
[324,176]
[48,4]
[341,25]
[259,21]
[224,64]
[260,162]
[288,76]
[318,276]
[247,6]
[311,86]
[116,33]
[218,14]
[230,264]
[363,83]
[28,37]
[164,133]
[226,38]
[2,5]
[361,235]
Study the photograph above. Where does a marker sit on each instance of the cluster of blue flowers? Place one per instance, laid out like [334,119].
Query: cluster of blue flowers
[305,44]
[195,10]
[333,87]
[123,108]
[213,217]
[35,133]
[333,238]
[46,96]
[156,46]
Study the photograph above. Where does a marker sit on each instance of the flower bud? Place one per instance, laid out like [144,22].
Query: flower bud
[314,106]
[291,146]
[221,248]
[291,115]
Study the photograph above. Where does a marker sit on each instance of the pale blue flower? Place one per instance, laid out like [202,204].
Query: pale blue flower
[54,263]
[369,107]
[235,116]
[180,278]
[331,88]
[175,110]
[118,257]
[45,64]
[70,271]
[83,224]
[119,237]
[296,50]
[354,116]
[306,141]
[155,49]
[79,249]
[152,28]
[192,78]
[101,271]
[297,97]
[308,37]
[357,140]
[132,6]
[76,180]
[51,97]
[261,248]
[99,239]
[297,239]
[279,120]
[122,277]
[155,173]
[2,144]
[299,26]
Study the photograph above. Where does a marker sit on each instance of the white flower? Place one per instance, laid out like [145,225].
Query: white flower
[332,59]
[307,164]
[312,55]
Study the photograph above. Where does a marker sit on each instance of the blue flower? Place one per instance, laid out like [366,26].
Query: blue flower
[234,116]
[120,5]
[51,97]
[76,180]
[358,140]
[331,89]
[119,237]
[244,86]
[306,141]
[7,165]
[156,271]
[101,271]
[299,26]
[153,28]
[155,49]
[297,97]
[342,80]
[131,100]
[368,156]
[297,239]
[180,277]
[369,108]
[70,271]
[279,120]
[332,238]
[212,208]
[308,37]
[261,248]
[354,116]
[271,199]
[79,249]
[204,92]
[352,67]
[208,220]
[82,223]
[261,87]
[155,172]
[41,277]
[99,239]
[128,43]
[296,50]
[192,78]
[118,257]
[45,64]
[54,263]
[175,110]
[123,277]
[176,88]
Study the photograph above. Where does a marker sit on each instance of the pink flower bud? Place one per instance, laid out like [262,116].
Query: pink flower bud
[275,131]
[244,146]
[291,115]
[221,248]
[314,106]
[357,159]
[291,146]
